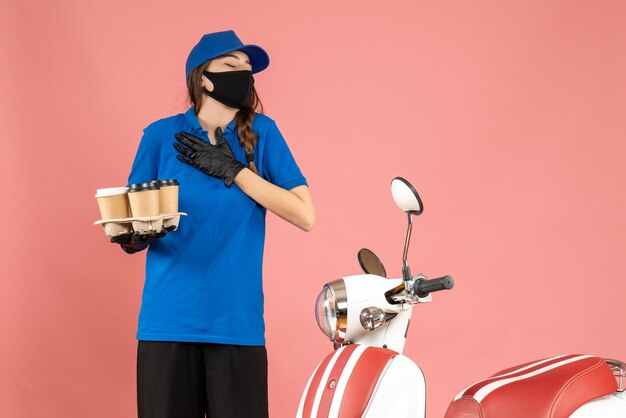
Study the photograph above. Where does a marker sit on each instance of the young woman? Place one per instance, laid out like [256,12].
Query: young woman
[201,344]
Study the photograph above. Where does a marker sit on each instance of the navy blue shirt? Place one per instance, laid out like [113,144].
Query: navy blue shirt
[204,281]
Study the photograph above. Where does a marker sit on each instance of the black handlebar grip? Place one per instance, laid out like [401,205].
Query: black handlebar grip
[423,287]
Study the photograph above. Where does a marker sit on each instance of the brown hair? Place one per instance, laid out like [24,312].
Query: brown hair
[243,118]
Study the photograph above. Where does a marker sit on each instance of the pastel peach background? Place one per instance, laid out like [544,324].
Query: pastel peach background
[507,116]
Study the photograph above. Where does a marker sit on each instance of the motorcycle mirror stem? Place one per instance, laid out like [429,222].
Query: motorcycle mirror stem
[406,270]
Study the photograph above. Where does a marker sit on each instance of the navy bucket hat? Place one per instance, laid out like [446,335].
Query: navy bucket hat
[213,45]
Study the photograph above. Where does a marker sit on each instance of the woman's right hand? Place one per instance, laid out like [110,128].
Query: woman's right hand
[215,160]
[133,242]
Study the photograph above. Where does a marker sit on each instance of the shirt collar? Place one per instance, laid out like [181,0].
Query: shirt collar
[192,119]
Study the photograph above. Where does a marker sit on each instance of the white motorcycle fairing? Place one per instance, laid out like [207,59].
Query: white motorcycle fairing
[609,406]
[367,290]
[362,381]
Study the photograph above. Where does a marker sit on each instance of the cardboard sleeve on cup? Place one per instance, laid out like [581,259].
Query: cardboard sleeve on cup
[139,207]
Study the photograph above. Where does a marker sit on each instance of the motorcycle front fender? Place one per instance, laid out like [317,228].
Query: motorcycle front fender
[363,381]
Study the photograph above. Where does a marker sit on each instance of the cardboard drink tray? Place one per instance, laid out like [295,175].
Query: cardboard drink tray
[141,224]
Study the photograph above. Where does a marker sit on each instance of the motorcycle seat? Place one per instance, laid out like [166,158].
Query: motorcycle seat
[548,388]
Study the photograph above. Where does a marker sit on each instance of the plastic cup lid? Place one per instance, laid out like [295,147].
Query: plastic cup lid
[138,187]
[168,182]
[110,191]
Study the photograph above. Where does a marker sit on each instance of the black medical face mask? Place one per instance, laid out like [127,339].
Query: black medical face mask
[233,88]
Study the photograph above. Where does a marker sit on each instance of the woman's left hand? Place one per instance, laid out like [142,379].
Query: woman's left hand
[215,160]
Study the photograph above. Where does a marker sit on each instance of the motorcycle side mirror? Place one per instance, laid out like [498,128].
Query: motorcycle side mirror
[406,197]
[370,263]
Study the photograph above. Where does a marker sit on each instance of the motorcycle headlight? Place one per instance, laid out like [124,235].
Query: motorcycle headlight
[331,310]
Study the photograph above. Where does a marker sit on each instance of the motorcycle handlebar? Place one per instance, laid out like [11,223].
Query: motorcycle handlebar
[423,287]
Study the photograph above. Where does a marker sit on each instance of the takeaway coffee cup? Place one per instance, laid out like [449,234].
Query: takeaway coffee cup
[143,199]
[113,204]
[169,201]
[144,202]
[168,195]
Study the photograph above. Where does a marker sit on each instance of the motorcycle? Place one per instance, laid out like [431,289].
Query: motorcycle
[366,317]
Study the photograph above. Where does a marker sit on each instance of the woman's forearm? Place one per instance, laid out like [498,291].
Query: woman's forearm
[294,208]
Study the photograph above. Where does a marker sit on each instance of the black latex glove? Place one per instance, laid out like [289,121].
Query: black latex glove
[215,160]
[133,242]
